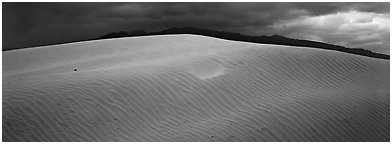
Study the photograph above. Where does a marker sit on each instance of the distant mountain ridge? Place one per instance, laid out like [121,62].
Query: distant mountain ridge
[273,39]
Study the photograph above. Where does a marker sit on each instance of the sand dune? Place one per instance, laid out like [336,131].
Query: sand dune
[192,88]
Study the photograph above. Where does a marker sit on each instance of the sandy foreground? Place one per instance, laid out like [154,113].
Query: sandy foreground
[192,88]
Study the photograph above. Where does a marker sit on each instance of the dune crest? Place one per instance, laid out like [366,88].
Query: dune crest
[192,88]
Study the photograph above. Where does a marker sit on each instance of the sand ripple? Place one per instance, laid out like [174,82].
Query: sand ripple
[214,91]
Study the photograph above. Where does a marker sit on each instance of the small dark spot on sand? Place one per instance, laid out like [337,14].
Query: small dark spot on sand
[259,130]
[75,69]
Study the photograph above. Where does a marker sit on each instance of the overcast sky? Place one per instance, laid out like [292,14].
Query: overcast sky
[360,25]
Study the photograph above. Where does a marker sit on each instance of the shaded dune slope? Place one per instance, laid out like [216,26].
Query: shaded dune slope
[192,88]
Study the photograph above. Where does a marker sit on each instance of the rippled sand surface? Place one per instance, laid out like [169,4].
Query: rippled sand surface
[192,88]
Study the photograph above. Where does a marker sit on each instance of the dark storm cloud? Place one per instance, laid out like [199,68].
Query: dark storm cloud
[29,24]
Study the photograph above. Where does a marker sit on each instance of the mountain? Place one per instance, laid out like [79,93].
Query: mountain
[274,39]
[123,34]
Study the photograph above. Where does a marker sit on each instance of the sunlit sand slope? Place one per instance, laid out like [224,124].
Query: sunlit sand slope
[192,88]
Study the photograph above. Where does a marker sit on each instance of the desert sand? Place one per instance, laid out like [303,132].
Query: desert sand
[192,88]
